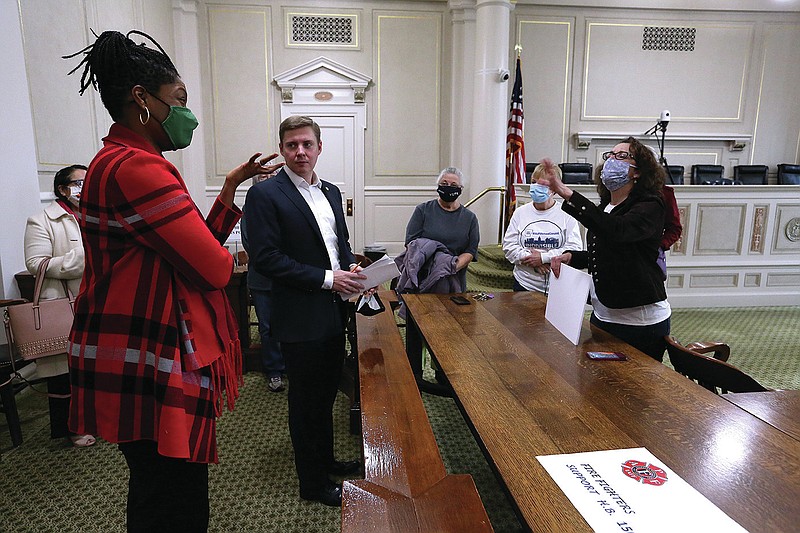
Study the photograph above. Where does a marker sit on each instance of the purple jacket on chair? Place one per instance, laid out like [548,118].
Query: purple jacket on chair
[427,266]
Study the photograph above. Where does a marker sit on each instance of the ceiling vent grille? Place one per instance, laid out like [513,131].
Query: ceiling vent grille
[663,38]
[326,30]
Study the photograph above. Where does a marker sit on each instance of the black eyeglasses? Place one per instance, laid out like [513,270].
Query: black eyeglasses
[79,183]
[617,155]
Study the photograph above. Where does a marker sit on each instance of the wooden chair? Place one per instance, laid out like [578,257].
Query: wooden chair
[10,364]
[713,373]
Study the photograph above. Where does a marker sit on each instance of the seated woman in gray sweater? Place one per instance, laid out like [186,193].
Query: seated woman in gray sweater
[447,221]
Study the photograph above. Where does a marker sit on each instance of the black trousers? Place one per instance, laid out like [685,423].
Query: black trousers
[164,493]
[647,339]
[59,407]
[314,369]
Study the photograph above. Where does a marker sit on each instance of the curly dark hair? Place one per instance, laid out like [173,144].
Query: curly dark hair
[651,174]
[113,64]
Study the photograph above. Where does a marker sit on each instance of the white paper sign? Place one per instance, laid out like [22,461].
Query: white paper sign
[630,490]
[236,234]
[566,300]
[381,271]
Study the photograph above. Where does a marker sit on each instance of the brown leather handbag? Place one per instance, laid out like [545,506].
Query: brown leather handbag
[40,328]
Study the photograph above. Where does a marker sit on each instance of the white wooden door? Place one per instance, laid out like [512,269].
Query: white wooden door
[342,158]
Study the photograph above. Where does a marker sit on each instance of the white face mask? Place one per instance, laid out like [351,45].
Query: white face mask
[75,192]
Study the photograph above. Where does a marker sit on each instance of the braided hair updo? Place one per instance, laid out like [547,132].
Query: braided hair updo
[114,64]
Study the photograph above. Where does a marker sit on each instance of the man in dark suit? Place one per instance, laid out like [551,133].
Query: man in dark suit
[298,237]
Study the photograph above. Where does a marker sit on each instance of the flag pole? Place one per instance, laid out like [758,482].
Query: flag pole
[515,143]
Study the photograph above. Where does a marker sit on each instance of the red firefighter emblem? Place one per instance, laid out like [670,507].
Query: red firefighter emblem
[644,472]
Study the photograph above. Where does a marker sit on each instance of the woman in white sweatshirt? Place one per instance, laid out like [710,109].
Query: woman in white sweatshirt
[537,232]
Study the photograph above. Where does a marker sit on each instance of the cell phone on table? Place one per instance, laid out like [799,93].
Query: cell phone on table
[459,300]
[607,356]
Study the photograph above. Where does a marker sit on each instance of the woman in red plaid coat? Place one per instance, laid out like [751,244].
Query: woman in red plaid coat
[154,343]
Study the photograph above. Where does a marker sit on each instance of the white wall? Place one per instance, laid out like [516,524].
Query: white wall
[17,152]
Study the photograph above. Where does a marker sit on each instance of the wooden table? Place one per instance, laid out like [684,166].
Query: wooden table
[527,391]
[779,408]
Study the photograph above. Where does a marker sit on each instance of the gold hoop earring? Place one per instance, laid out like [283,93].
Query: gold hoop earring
[145,121]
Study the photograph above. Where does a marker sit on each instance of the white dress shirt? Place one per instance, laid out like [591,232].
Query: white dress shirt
[323,213]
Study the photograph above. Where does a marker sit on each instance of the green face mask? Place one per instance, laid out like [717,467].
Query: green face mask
[179,125]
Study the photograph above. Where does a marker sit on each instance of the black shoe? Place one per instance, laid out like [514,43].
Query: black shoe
[344,468]
[330,494]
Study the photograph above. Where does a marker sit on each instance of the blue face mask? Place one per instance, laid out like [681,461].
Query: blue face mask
[615,174]
[540,193]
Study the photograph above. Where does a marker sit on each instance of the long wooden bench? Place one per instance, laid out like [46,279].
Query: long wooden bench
[405,486]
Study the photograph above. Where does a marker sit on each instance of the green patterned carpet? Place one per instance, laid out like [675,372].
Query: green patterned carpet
[764,341]
[47,486]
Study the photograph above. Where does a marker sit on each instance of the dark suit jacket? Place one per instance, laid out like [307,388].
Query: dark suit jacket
[286,245]
[622,248]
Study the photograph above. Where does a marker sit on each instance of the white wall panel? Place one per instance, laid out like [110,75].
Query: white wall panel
[729,257]
[408,87]
[623,81]
[239,38]
[63,120]
[700,281]
[777,134]
[719,229]
[387,216]
[119,15]
[547,54]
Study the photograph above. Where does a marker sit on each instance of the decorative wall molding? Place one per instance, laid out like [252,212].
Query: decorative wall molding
[302,83]
[735,142]
[757,235]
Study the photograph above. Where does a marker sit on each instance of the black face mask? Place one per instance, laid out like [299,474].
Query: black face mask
[448,193]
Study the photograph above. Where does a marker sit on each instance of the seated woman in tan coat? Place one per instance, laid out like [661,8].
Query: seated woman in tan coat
[54,233]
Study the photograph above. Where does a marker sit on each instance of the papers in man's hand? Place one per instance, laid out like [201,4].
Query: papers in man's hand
[381,271]
[565,301]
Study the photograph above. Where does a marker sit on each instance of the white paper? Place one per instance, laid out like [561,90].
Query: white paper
[381,271]
[566,300]
[631,490]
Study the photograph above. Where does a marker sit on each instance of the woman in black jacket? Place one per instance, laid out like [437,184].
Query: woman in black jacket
[624,232]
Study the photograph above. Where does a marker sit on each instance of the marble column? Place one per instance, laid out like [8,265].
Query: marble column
[187,60]
[461,63]
[490,111]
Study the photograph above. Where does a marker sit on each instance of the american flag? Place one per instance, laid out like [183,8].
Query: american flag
[515,144]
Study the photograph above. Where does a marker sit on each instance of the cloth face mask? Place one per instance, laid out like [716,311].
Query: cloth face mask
[615,174]
[179,125]
[448,193]
[540,193]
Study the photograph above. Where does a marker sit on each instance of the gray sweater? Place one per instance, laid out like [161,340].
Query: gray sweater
[458,230]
